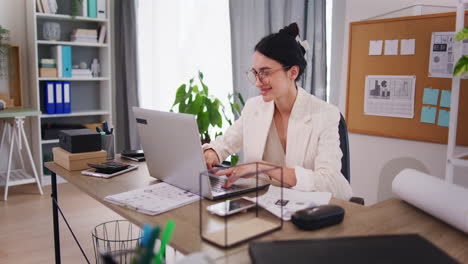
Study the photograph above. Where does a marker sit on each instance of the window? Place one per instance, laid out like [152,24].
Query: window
[328,18]
[176,39]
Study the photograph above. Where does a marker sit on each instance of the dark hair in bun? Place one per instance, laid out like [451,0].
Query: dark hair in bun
[283,48]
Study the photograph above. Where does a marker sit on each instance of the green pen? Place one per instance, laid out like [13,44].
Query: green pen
[166,236]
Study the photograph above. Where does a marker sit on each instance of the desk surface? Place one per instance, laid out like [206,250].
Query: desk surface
[14,112]
[389,217]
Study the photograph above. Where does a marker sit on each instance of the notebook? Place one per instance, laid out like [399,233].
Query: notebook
[154,199]
[409,248]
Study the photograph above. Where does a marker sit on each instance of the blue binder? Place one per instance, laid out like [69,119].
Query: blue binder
[92,8]
[58,98]
[66,97]
[49,97]
[66,61]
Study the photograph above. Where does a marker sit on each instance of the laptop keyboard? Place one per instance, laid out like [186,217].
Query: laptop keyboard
[216,185]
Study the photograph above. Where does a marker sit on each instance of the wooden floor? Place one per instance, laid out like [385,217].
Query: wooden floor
[26,229]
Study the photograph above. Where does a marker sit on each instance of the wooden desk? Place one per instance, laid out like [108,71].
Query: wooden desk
[389,217]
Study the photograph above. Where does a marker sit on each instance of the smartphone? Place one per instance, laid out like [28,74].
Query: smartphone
[230,207]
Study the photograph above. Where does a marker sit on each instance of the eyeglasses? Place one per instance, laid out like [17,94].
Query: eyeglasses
[263,76]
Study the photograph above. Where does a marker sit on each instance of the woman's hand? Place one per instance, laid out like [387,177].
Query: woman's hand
[235,173]
[211,158]
[250,170]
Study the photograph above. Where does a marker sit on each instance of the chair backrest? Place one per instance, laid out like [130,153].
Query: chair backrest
[344,146]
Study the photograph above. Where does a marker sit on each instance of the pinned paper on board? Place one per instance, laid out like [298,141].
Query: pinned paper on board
[375,47]
[428,114]
[408,46]
[390,95]
[445,98]
[391,47]
[444,118]
[430,96]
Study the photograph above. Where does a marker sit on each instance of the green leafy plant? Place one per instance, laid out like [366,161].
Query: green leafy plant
[4,36]
[194,98]
[75,6]
[461,67]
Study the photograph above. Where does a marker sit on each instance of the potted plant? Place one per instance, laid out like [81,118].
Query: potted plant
[194,98]
[4,51]
[461,67]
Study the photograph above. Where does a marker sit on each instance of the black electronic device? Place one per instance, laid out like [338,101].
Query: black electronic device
[318,216]
[400,249]
[80,140]
[109,167]
[142,158]
[133,153]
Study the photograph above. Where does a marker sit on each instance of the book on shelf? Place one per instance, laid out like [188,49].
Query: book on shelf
[92,8]
[83,39]
[82,73]
[53,7]
[84,8]
[63,58]
[45,6]
[101,9]
[102,34]
[39,7]
[84,35]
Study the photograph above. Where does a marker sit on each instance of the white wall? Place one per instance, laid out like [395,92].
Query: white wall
[375,160]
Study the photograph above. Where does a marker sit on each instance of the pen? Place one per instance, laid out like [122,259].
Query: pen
[166,236]
[105,126]
[98,129]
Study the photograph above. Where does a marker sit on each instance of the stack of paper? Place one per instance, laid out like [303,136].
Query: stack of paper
[292,201]
[84,35]
[82,73]
[154,199]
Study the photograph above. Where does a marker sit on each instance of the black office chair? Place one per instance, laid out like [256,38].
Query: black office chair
[344,146]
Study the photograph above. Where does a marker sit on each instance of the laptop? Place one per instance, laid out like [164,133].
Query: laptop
[173,152]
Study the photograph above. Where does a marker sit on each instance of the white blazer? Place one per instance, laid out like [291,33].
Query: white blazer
[313,143]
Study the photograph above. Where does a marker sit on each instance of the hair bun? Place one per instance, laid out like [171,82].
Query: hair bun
[291,30]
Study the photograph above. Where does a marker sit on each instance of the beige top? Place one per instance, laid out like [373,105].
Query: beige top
[274,151]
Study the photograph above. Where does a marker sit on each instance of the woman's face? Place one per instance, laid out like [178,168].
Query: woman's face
[272,80]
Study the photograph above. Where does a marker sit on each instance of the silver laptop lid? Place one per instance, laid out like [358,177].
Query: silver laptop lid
[172,148]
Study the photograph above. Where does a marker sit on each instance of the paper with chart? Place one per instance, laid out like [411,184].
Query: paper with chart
[153,199]
[389,95]
[441,57]
[292,201]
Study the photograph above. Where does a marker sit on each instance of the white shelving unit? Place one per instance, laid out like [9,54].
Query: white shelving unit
[453,159]
[91,98]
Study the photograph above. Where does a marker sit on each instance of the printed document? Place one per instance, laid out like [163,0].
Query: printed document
[292,201]
[154,199]
[441,57]
[389,95]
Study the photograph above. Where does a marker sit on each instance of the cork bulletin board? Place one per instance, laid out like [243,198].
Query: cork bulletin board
[361,64]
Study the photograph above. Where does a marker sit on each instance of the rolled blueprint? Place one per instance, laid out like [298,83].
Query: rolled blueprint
[446,201]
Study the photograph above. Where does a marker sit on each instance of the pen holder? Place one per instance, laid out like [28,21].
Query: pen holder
[118,239]
[107,144]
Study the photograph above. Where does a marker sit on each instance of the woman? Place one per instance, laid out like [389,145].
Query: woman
[285,126]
